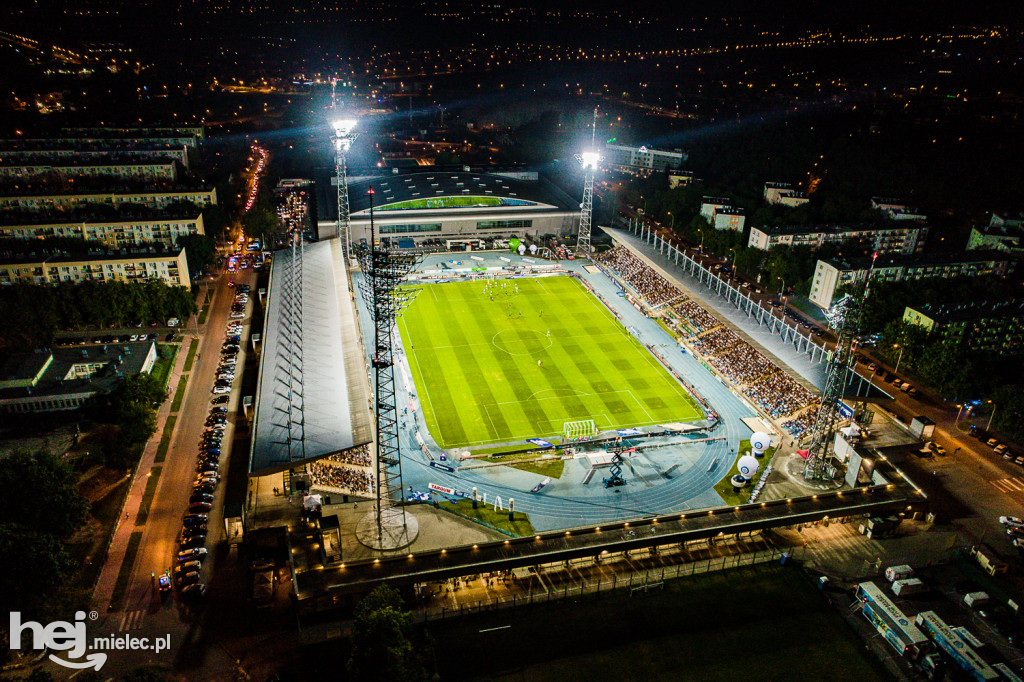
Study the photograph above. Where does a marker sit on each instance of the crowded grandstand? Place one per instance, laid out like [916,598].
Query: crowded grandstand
[757,377]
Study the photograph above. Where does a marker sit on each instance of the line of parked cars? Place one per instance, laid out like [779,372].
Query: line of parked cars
[1000,449]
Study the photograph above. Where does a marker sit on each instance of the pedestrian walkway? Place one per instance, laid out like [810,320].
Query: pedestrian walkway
[104,589]
[131,620]
[1008,485]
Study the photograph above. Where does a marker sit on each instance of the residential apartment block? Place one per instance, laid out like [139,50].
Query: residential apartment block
[155,196]
[642,158]
[116,229]
[1004,232]
[783,194]
[996,328]
[886,238]
[125,265]
[57,169]
[829,275]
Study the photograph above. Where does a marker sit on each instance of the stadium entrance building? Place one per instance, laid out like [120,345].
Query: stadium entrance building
[457,209]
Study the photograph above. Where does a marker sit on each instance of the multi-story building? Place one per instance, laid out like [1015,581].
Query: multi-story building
[1004,232]
[681,179]
[996,328]
[642,158]
[41,198]
[895,209]
[458,208]
[190,136]
[783,194]
[125,265]
[114,228]
[55,169]
[829,275]
[708,206]
[65,378]
[728,218]
[26,151]
[885,237]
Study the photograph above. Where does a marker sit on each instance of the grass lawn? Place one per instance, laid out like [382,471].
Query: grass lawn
[761,623]
[530,462]
[165,355]
[125,572]
[193,346]
[475,363]
[147,496]
[544,467]
[165,439]
[485,512]
[724,487]
[203,313]
[104,513]
[179,395]
[443,202]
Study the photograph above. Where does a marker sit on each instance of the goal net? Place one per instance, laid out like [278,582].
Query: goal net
[578,429]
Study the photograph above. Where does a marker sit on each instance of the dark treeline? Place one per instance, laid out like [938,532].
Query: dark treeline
[32,313]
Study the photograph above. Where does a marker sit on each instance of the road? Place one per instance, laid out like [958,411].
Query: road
[145,614]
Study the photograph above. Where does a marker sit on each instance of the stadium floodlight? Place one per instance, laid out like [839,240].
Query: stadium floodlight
[589,160]
[343,126]
[344,136]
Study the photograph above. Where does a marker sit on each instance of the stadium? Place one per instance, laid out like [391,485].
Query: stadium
[590,401]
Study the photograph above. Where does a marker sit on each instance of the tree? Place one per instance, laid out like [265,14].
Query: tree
[200,251]
[41,494]
[36,565]
[381,649]
[260,222]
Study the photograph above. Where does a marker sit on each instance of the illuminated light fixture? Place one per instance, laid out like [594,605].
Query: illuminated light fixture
[589,160]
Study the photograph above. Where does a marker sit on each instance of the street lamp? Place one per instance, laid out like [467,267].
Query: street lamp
[673,225]
[900,358]
[990,415]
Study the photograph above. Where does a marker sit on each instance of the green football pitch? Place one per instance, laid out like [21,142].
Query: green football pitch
[496,365]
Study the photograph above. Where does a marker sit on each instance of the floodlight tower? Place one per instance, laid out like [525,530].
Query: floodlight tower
[387,294]
[588,160]
[344,136]
[843,318]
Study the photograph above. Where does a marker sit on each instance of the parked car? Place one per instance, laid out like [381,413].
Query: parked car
[188,567]
[200,497]
[200,506]
[196,553]
[190,578]
[193,591]
[192,542]
[194,519]
[221,389]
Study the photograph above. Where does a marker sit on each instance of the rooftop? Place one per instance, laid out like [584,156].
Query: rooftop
[836,228]
[118,360]
[335,414]
[9,256]
[445,190]
[98,213]
[920,259]
[86,186]
[966,312]
[43,145]
[46,161]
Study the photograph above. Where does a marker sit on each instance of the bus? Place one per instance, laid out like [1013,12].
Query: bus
[894,625]
[953,644]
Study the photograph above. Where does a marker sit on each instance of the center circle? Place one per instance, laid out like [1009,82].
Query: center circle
[525,342]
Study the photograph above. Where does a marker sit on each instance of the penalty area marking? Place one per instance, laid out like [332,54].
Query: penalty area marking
[500,627]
